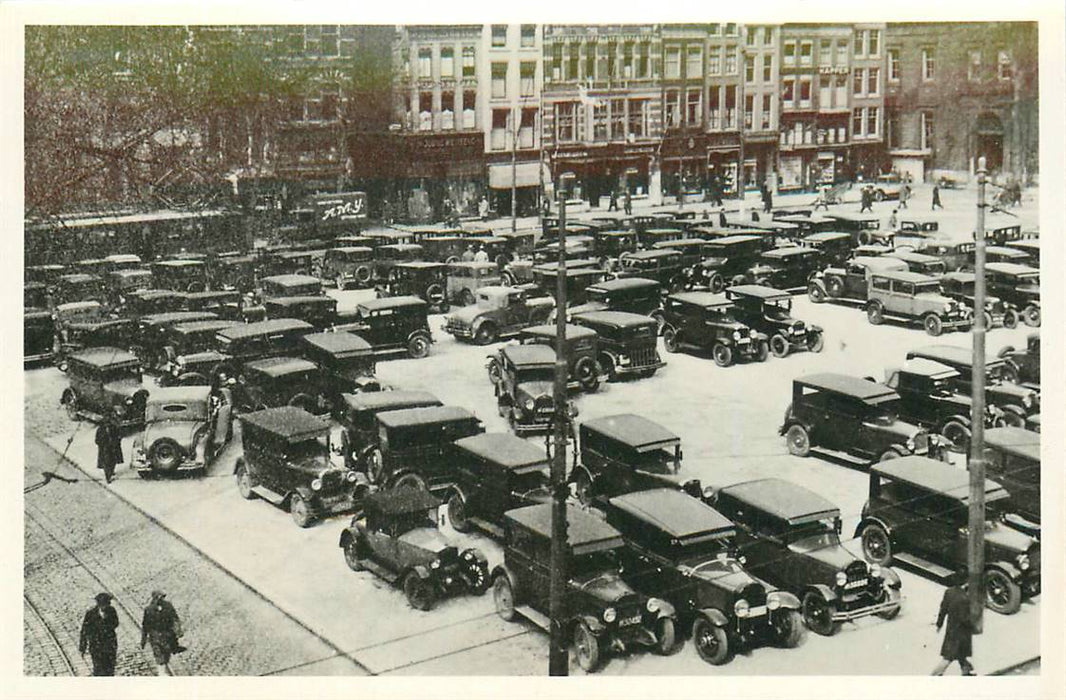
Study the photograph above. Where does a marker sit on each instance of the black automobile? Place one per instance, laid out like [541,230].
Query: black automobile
[627,343]
[960,287]
[635,295]
[425,280]
[682,547]
[349,265]
[602,612]
[148,302]
[281,381]
[105,381]
[785,268]
[706,321]
[397,539]
[523,383]
[663,265]
[245,342]
[319,311]
[1025,362]
[1012,457]
[346,362]
[1018,285]
[358,420]
[414,446]
[388,256]
[38,336]
[581,347]
[150,338]
[768,311]
[790,536]
[727,260]
[189,355]
[79,287]
[834,246]
[183,275]
[392,326]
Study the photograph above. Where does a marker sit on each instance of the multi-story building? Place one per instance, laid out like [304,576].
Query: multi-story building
[760,64]
[685,138]
[957,91]
[723,88]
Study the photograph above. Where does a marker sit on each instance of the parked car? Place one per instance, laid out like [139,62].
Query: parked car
[425,280]
[226,303]
[146,302]
[850,282]
[611,243]
[729,258]
[1029,246]
[1012,458]
[864,228]
[81,325]
[189,356]
[918,514]
[834,246]
[1018,285]
[359,428]
[183,275]
[957,256]
[920,263]
[769,312]
[960,287]
[393,326]
[234,272]
[790,536]
[626,452]
[886,186]
[149,340]
[397,539]
[105,381]
[246,342]
[664,265]
[854,416]
[465,278]
[47,274]
[627,343]
[35,295]
[346,363]
[414,446]
[520,271]
[290,285]
[1026,362]
[635,295]
[500,312]
[319,311]
[388,256]
[281,381]
[38,336]
[185,429]
[121,282]
[912,297]
[79,287]
[1006,254]
[683,548]
[445,249]
[917,225]
[602,612]
[495,473]
[522,378]
[707,321]
[286,462]
[349,266]
[582,350]
[785,268]
[577,281]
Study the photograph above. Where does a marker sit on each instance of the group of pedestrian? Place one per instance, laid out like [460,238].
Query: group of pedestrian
[160,628]
[471,255]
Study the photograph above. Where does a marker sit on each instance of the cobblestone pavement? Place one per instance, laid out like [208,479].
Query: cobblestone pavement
[81,539]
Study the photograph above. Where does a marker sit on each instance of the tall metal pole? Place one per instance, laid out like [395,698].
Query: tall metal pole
[514,168]
[976,544]
[741,101]
[558,655]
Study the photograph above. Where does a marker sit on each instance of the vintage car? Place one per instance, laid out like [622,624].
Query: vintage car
[920,263]
[648,237]
[911,297]
[150,337]
[704,320]
[286,462]
[785,268]
[425,280]
[768,311]
[183,275]
[47,274]
[122,261]
[790,536]
[185,429]
[834,246]
[1001,388]
[346,363]
[627,343]
[1018,285]
[523,380]
[1012,457]
[91,266]
[871,250]
[577,247]
[121,282]
[520,271]
[886,186]
[281,286]
[611,243]
[357,417]
[1029,246]
[446,248]
[728,260]
[960,287]
[226,303]
[1026,362]
[388,256]
[319,311]
[627,452]
[281,381]
[917,225]
[397,539]
[683,548]
[635,295]
[38,336]
[189,357]
[1006,254]
[864,228]
[245,342]
[664,265]
[413,447]
[35,296]
[349,266]
[79,287]
[233,272]
[807,222]
[80,325]
[602,612]
[105,381]
[582,350]
[465,278]
[500,312]
[852,416]
[495,473]
[392,326]
[577,281]
[957,256]
[145,302]
[918,514]
[393,236]
[851,281]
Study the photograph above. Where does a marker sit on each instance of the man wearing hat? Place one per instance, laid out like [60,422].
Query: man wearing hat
[98,635]
[161,628]
[958,642]
[109,444]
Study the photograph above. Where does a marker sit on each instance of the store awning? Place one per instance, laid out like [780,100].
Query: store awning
[525,175]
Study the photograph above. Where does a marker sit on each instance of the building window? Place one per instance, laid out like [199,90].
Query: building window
[872,113]
[857,122]
[840,99]
[767,67]
[673,108]
[730,106]
[673,62]
[469,109]
[692,112]
[714,29]
[328,42]
[349,41]
[928,64]
[618,119]
[499,80]
[527,71]
[806,49]
[425,111]
[590,61]
[573,62]
[447,62]
[873,79]
[529,35]
[805,93]
[564,121]
[749,69]
[627,60]
[644,61]
[788,92]
[1006,65]
[525,131]
[425,63]
[599,122]
[857,81]
[731,60]
[714,60]
[638,118]
[714,109]
[612,60]
[873,46]
[694,62]
[768,36]
[790,53]
[891,130]
[842,52]
[825,52]
[927,131]
[749,111]
[765,114]
[447,110]
[973,66]
[893,65]
[752,34]
[498,135]
[731,29]
[469,61]
[499,35]
[825,92]
[860,44]
[602,61]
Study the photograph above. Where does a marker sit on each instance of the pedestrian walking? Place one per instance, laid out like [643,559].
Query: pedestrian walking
[483,208]
[721,218]
[893,221]
[767,198]
[936,197]
[867,200]
[904,195]
[627,202]
[161,628]
[481,255]
[98,635]
[958,638]
[613,205]
[468,254]
[108,444]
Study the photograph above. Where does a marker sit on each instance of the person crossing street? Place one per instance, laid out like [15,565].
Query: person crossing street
[98,635]
[161,628]
[958,639]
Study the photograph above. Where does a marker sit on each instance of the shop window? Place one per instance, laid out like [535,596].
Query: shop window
[529,36]
[499,80]
[425,62]
[694,62]
[499,35]
[498,135]
[447,62]
[599,122]
[527,71]
[469,62]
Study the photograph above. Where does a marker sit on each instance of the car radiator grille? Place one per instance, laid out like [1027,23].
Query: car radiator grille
[644,356]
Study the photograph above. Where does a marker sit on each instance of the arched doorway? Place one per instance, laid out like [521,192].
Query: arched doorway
[990,140]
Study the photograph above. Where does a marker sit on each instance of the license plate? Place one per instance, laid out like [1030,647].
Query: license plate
[757,611]
[635,620]
[861,583]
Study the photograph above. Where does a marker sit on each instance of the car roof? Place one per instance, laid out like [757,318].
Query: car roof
[959,276]
[616,319]
[584,530]
[1011,268]
[400,501]
[302,299]
[214,324]
[788,252]
[104,356]
[178,317]
[391,303]
[132,272]
[704,299]
[529,355]
[759,291]
[423,265]
[912,256]
[78,277]
[827,236]
[633,430]
[879,264]
[783,499]
[624,283]
[78,305]
[274,325]
[179,263]
[147,294]
[863,389]
[653,254]
[573,332]
[1017,440]
[289,422]
[906,276]
[735,239]
[213,294]
[929,368]
[179,394]
[504,450]
[475,265]
[494,290]
[338,342]
[390,400]
[1006,250]
[674,512]
[426,414]
[280,366]
[934,475]
[401,247]
[950,354]
[354,249]
[291,280]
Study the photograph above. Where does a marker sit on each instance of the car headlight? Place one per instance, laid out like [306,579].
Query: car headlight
[129,400]
[529,404]
[741,608]
[1023,561]
[316,485]
[352,477]
[773,601]
[175,370]
[653,605]
[875,571]
[910,444]
[736,335]
[1027,400]
[623,359]
[842,578]
[435,564]
[610,615]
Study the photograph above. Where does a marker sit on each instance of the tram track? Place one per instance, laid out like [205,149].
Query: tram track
[51,635]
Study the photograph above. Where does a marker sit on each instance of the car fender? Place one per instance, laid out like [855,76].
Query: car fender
[68,395]
[891,578]
[788,600]
[503,570]
[1014,408]
[479,322]
[1009,569]
[715,616]
[595,624]
[304,492]
[958,418]
[761,337]
[346,537]
[814,328]
[238,464]
[457,490]
[420,333]
[421,571]
[611,357]
[875,521]
[825,592]
[666,610]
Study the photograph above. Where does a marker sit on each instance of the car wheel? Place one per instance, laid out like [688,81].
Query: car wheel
[958,435]
[799,442]
[503,597]
[417,347]
[583,487]
[892,596]
[1012,418]
[486,334]
[1031,316]
[933,325]
[670,341]
[1001,594]
[300,510]
[1010,318]
[477,573]
[508,279]
[879,196]
[244,481]
[834,287]
[988,320]
[815,341]
[419,592]
[1009,373]
[457,512]
[351,554]
[723,355]
[587,374]
[815,293]
[876,546]
[763,351]
[710,641]
[875,313]
[665,637]
[410,480]
[466,298]
[779,345]
[788,628]
[165,455]
[818,615]
[495,373]
[716,283]
[586,647]
[435,294]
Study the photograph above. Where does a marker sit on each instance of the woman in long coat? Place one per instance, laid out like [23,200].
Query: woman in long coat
[958,638]
[108,446]
[161,628]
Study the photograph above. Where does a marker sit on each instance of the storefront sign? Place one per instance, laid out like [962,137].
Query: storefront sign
[340,207]
[833,70]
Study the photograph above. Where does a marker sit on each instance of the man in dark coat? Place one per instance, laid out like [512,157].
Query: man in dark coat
[161,628]
[98,635]
[613,206]
[958,641]
[108,446]
[936,197]
[767,198]
[867,200]
[627,202]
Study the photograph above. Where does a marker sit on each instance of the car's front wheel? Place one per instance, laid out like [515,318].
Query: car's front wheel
[70,403]
[711,641]
[798,440]
[815,341]
[418,347]
[762,351]
[815,293]
[788,628]
[723,355]
[665,636]
[892,596]
[486,334]
[779,345]
[583,487]
[1001,594]
[244,481]
[818,615]
[670,341]
[586,647]
[1031,316]
[419,591]
[351,554]
[957,434]
[875,313]
[876,546]
[300,510]
[933,325]
[1010,318]
[457,513]
[587,374]
[375,466]
[503,597]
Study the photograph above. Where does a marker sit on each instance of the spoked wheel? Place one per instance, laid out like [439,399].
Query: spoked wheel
[1010,318]
[876,546]
[418,347]
[1031,316]
[587,374]
[586,647]
[818,615]
[710,641]
[958,435]
[420,593]
[583,488]
[933,325]
[799,442]
[71,405]
[244,482]
[486,334]
[495,374]
[1001,594]
[375,466]
[815,293]
[875,313]
[300,510]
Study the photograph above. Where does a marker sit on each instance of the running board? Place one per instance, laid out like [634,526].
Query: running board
[268,495]
[376,568]
[925,565]
[539,619]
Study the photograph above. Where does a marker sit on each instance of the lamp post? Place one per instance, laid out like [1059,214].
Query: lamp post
[975,559]
[514,168]
[742,113]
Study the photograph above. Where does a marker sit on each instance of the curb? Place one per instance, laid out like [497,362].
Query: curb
[1008,669]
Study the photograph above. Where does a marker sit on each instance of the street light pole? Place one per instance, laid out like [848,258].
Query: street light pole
[741,102]
[514,168]
[976,540]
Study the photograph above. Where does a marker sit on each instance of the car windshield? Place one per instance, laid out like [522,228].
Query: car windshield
[305,449]
[941,387]
[778,309]
[814,535]
[597,562]
[721,316]
[536,374]
[710,547]
[723,563]
[114,374]
[884,413]
[527,480]
[964,288]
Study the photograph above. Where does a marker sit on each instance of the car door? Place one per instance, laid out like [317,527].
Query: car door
[855,281]
[842,427]
[946,536]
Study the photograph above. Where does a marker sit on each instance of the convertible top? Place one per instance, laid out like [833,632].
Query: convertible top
[400,501]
